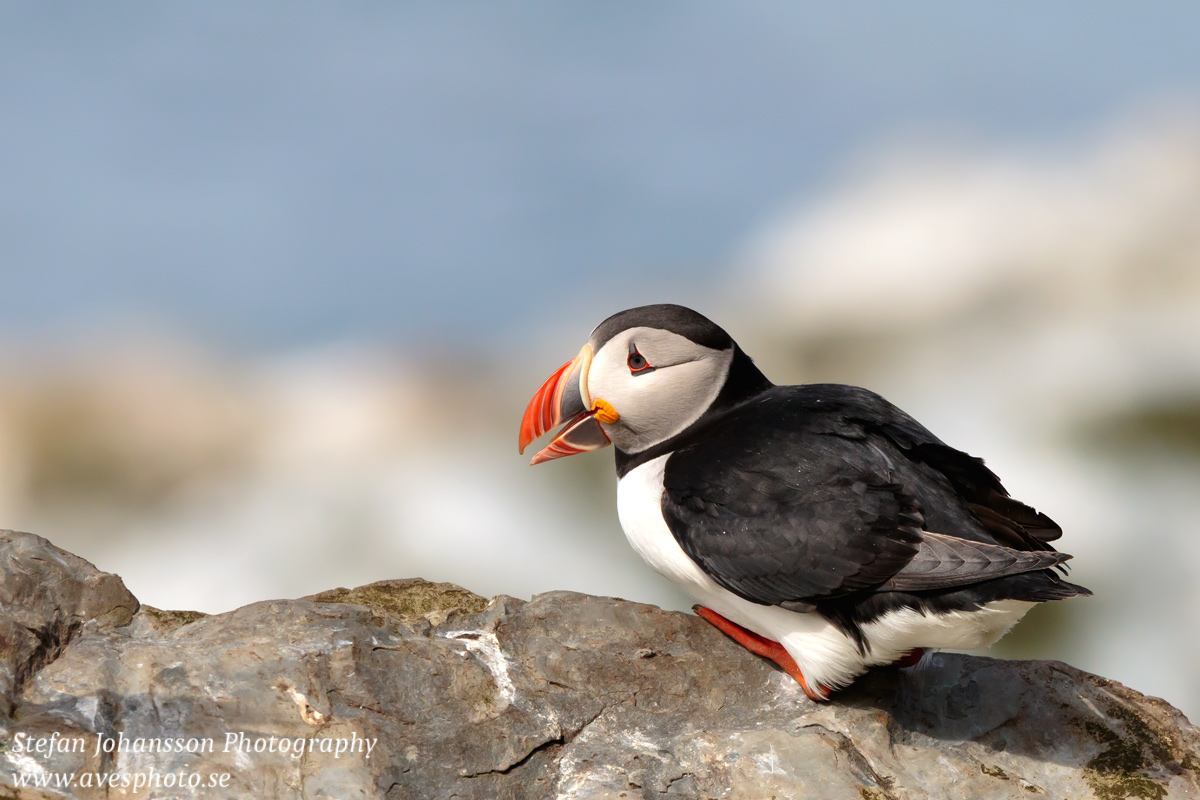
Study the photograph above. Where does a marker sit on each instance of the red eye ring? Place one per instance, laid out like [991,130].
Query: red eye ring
[637,362]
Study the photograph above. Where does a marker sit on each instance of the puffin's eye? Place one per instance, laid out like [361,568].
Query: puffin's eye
[637,362]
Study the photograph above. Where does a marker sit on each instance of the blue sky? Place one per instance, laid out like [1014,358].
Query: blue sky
[274,174]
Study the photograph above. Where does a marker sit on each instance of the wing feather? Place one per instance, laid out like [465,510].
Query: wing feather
[943,562]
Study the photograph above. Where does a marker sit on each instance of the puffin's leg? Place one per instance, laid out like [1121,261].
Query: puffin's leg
[761,646]
[910,659]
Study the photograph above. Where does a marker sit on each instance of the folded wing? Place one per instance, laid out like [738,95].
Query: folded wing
[816,494]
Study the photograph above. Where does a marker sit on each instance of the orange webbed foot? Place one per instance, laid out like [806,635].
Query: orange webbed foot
[762,646]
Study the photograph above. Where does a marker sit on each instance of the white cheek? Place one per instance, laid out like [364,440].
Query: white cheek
[607,378]
[659,398]
[658,405]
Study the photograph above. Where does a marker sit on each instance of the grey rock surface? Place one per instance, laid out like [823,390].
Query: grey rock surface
[566,695]
[47,596]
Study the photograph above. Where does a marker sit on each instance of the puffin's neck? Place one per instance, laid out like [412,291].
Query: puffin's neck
[743,382]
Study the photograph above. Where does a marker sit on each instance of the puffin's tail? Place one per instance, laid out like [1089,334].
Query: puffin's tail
[1043,586]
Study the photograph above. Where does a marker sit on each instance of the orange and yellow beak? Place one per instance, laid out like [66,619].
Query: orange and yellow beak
[564,399]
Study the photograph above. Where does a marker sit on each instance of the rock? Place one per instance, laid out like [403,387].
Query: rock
[431,692]
[46,596]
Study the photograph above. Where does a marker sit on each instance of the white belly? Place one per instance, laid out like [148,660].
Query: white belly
[823,653]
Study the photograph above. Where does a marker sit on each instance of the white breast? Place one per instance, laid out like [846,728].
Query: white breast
[639,508]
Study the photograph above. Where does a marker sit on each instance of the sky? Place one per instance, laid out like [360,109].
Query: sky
[272,175]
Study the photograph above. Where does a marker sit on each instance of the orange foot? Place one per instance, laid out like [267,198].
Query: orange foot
[761,646]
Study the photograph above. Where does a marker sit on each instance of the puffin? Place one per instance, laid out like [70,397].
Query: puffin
[817,525]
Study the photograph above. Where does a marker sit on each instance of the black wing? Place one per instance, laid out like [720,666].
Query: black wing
[1008,521]
[810,493]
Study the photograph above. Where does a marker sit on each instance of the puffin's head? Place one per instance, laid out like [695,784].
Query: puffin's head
[645,375]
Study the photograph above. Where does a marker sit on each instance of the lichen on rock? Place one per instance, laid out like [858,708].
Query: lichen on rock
[408,598]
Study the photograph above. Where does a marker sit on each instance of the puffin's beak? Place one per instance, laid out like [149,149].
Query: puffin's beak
[563,398]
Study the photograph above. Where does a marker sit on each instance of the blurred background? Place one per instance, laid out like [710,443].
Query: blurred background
[279,278]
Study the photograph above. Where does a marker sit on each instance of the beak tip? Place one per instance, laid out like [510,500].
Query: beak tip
[528,433]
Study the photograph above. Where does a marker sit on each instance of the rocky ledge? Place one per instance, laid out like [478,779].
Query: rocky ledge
[410,689]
